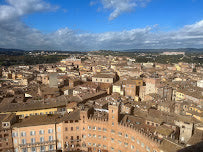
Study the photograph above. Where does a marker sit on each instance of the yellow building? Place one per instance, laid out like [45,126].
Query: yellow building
[62,68]
[180,96]
[196,112]
[118,89]
[178,68]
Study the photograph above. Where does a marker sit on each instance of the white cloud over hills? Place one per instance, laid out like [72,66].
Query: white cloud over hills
[16,34]
[122,6]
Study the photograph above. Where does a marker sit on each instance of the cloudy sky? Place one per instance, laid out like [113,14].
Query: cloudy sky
[101,24]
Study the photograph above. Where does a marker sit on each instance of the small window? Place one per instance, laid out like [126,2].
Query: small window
[112,131]
[126,144]
[104,129]
[32,140]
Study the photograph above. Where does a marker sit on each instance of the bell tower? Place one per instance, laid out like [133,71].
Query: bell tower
[114,109]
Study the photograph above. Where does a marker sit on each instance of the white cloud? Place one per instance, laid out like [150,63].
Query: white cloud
[17,8]
[18,35]
[15,34]
[121,6]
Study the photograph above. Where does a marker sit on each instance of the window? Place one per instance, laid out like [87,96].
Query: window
[14,134]
[94,144]
[32,140]
[66,129]
[89,127]
[99,129]
[33,149]
[41,132]
[32,133]
[147,148]
[112,131]
[119,133]
[42,148]
[94,135]
[15,150]
[23,141]
[104,129]
[24,149]
[41,139]
[112,111]
[99,136]
[23,134]
[112,139]
[112,123]
[89,144]
[126,135]
[59,136]
[59,129]
[51,147]
[15,141]
[132,147]
[94,128]
[112,149]
[132,138]
[77,128]
[50,138]
[142,144]
[104,146]
[50,131]
[59,146]
[89,135]
[120,142]
[71,128]
[104,137]
[138,142]
[112,117]
[126,144]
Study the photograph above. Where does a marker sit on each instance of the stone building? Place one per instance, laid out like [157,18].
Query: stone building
[6,143]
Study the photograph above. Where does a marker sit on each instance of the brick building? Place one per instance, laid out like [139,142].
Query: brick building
[6,143]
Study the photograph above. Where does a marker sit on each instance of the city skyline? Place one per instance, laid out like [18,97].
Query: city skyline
[100,24]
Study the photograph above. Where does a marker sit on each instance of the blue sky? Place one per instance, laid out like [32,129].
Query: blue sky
[81,15]
[101,24]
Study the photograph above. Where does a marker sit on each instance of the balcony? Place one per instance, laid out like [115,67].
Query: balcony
[45,143]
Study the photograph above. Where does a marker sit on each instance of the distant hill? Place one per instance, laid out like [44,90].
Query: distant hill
[165,50]
[11,51]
